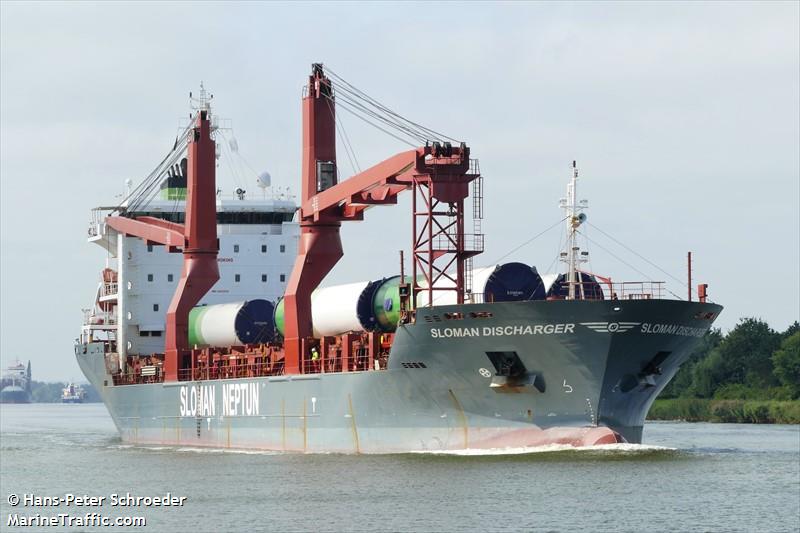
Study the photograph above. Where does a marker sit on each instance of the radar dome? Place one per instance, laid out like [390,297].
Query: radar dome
[264,180]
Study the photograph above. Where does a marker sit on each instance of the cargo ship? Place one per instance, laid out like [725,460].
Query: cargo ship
[15,384]
[73,393]
[210,327]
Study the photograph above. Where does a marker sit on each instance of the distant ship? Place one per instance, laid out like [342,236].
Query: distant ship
[15,386]
[446,357]
[73,393]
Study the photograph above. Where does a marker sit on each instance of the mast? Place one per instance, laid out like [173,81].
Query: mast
[196,238]
[574,217]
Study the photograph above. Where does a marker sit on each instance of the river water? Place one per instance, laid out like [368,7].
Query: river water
[687,477]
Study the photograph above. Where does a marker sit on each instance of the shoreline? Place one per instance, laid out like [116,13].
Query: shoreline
[726,411]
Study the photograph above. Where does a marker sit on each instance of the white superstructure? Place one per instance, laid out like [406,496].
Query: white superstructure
[257,248]
[257,245]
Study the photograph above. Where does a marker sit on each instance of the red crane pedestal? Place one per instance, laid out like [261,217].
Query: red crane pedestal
[200,270]
[320,248]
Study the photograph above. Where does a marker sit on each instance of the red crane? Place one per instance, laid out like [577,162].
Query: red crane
[441,172]
[197,238]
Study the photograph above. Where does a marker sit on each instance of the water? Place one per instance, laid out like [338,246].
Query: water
[689,477]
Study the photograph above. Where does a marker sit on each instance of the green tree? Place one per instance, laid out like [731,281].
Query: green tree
[743,357]
[786,361]
[46,392]
[707,375]
[746,354]
[792,329]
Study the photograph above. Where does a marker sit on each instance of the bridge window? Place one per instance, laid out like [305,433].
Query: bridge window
[225,217]
[155,307]
[149,247]
[283,277]
[263,248]
[237,278]
[283,248]
[169,277]
[264,278]
[236,248]
[149,277]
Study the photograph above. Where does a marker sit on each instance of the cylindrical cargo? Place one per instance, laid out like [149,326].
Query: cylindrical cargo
[231,324]
[361,306]
[512,282]
[375,305]
[278,318]
[334,309]
[509,282]
[587,288]
[379,305]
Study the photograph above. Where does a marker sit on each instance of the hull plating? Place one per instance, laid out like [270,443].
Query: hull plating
[591,371]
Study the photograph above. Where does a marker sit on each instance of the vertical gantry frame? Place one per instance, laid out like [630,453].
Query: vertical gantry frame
[440,248]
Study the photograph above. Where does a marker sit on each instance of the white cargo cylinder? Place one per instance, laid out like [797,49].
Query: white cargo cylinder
[334,309]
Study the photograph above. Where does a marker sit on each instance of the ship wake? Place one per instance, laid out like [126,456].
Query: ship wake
[622,448]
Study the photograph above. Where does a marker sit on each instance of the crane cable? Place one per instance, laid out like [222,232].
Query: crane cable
[640,256]
[348,148]
[369,110]
[530,240]
[134,199]
[618,258]
[348,87]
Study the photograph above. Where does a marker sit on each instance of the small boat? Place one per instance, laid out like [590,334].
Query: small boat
[15,385]
[73,393]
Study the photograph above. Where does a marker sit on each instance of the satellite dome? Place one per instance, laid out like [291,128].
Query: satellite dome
[264,180]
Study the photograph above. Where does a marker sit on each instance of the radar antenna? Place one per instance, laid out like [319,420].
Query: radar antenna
[201,102]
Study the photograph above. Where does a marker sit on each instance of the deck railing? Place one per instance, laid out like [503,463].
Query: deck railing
[634,290]
[137,376]
[109,289]
[252,370]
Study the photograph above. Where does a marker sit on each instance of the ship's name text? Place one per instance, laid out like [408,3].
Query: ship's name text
[499,331]
[673,329]
[238,399]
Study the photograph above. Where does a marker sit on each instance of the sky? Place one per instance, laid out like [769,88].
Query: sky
[684,119]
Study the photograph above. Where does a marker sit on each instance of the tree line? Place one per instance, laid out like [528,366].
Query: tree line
[42,392]
[751,362]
